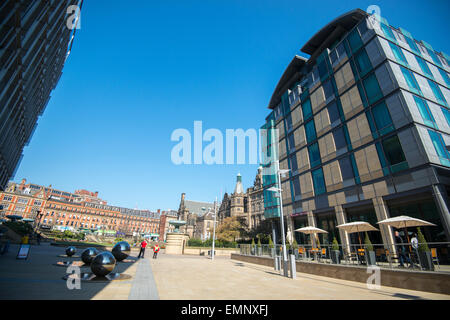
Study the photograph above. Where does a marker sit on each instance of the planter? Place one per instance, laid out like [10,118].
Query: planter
[336,256]
[259,251]
[371,258]
[426,261]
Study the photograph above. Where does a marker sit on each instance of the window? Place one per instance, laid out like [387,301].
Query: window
[424,66]
[314,155]
[398,35]
[340,141]
[293,160]
[394,153]
[382,118]
[337,54]
[388,32]
[372,87]
[440,148]
[411,81]
[296,183]
[346,171]
[399,56]
[437,92]
[446,114]
[333,113]
[425,112]
[318,181]
[354,40]
[307,110]
[434,57]
[444,76]
[412,45]
[363,63]
[310,131]
[328,90]
[288,122]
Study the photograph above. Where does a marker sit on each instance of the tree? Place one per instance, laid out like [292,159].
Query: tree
[423,246]
[230,229]
[368,243]
[271,245]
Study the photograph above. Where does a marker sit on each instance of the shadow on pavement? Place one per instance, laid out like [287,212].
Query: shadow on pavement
[38,278]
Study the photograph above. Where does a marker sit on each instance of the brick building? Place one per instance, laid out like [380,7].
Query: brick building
[74,211]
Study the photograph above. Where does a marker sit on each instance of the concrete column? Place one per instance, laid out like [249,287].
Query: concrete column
[441,199]
[382,213]
[341,219]
[312,223]
[290,228]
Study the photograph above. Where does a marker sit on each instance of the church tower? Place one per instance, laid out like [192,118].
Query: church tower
[237,207]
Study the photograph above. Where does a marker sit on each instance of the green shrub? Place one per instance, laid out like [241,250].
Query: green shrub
[271,245]
[423,246]
[368,243]
[253,242]
[335,245]
[259,243]
[295,244]
[19,227]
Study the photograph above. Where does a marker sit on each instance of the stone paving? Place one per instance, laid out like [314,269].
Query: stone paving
[199,278]
[179,278]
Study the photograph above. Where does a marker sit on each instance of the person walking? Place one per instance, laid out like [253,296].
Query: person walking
[155,251]
[143,246]
[401,249]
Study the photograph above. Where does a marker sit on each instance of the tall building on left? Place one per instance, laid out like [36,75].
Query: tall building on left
[35,40]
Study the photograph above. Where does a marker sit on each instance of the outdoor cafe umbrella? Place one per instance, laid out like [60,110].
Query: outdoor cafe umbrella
[311,230]
[405,222]
[357,226]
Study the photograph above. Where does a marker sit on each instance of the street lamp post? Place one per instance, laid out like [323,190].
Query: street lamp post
[214,232]
[283,237]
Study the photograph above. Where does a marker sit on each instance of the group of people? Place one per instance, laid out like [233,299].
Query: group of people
[26,238]
[402,249]
[144,245]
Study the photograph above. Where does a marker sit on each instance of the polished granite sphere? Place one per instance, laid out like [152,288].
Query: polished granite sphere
[88,255]
[121,250]
[70,251]
[103,264]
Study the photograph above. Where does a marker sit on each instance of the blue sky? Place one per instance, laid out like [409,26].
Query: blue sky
[141,69]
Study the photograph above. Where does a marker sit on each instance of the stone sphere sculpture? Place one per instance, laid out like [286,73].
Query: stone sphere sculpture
[121,250]
[70,251]
[103,264]
[88,255]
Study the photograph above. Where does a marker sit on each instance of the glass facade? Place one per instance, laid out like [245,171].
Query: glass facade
[359,130]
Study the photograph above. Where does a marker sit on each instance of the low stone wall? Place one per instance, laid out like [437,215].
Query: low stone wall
[413,280]
[204,251]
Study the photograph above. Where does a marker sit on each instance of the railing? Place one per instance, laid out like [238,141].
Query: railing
[399,256]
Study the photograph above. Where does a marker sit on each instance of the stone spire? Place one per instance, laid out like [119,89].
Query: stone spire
[239,188]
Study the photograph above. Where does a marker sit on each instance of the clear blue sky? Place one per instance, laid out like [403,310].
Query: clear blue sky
[141,69]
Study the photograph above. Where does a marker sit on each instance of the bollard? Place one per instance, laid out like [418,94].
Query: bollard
[275,263]
[293,266]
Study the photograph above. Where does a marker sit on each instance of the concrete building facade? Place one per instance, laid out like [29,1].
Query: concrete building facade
[64,210]
[364,128]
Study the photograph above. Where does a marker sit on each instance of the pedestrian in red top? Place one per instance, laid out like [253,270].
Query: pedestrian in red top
[155,251]
[143,245]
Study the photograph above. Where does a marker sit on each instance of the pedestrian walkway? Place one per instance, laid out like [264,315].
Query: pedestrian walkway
[199,278]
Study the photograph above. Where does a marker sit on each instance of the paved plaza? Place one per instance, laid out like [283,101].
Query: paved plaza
[180,278]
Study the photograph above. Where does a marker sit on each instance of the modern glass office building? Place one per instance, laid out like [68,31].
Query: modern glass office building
[35,39]
[364,128]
